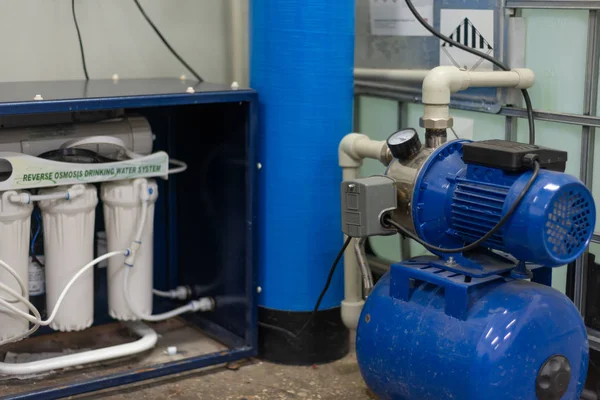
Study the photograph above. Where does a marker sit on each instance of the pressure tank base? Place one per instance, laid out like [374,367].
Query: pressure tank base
[324,340]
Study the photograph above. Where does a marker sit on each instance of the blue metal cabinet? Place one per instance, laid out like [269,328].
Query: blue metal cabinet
[204,218]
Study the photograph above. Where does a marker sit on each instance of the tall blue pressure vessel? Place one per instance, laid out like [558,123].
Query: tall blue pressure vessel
[301,64]
[512,345]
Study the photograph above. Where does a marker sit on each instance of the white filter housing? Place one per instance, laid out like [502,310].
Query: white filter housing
[35,140]
[122,209]
[15,223]
[68,246]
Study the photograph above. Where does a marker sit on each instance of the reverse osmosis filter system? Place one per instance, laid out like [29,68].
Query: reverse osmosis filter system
[67,171]
[478,318]
[118,262]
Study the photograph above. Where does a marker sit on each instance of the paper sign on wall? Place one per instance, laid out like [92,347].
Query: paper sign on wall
[394,18]
[473,28]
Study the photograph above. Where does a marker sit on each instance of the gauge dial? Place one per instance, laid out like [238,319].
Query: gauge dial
[404,144]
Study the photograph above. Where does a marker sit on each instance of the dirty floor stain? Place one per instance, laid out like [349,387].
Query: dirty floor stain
[254,380]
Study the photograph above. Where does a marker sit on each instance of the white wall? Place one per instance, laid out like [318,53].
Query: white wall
[38,40]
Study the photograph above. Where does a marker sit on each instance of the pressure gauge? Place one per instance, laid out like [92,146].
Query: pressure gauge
[404,144]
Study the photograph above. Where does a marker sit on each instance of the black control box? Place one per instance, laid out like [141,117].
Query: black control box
[510,156]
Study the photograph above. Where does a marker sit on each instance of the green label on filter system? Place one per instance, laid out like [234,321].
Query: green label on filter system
[23,171]
[82,174]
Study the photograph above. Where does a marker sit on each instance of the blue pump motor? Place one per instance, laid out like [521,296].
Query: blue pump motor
[461,327]
[454,203]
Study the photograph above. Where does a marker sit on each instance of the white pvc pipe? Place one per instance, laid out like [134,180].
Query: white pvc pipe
[353,148]
[396,75]
[353,302]
[146,342]
[238,21]
[441,82]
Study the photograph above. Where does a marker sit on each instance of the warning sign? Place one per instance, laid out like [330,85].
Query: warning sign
[472,28]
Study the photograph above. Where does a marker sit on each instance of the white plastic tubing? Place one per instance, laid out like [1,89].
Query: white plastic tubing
[181,166]
[353,149]
[122,214]
[69,194]
[148,339]
[18,299]
[36,319]
[202,304]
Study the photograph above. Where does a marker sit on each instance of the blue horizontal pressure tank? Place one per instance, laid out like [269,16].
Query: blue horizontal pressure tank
[414,350]
[437,327]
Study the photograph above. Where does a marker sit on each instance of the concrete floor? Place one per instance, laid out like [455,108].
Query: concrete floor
[245,380]
[252,380]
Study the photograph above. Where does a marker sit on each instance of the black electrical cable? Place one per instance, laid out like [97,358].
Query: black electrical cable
[326,287]
[278,329]
[83,64]
[487,57]
[319,300]
[388,221]
[162,38]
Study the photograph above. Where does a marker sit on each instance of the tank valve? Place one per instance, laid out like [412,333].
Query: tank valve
[553,378]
